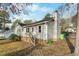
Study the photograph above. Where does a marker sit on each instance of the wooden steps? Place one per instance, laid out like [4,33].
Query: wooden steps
[28,39]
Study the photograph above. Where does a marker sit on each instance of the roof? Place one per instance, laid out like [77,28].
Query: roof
[36,23]
[22,24]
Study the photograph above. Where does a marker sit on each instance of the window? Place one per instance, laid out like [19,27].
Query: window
[32,29]
[22,29]
[27,30]
[39,28]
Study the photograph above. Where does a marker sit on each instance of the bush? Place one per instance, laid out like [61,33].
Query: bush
[2,38]
[14,37]
[61,36]
[50,42]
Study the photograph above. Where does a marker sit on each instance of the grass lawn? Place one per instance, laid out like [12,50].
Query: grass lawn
[61,47]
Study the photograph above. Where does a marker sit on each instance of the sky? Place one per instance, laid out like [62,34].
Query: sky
[37,11]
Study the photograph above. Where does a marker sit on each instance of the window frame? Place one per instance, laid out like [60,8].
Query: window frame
[32,29]
[39,30]
[27,30]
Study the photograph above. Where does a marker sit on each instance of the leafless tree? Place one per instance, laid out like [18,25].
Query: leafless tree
[77,33]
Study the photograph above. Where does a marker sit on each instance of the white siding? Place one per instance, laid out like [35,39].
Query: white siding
[42,34]
[50,30]
[55,28]
[45,36]
[23,32]
[18,30]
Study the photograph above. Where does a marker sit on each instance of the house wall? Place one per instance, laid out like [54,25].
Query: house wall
[50,30]
[18,30]
[8,25]
[56,27]
[23,32]
[45,36]
[37,34]
[53,28]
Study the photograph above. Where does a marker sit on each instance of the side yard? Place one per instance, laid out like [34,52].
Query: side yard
[59,48]
[20,48]
[8,47]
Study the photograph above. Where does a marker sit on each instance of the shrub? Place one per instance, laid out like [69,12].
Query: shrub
[14,37]
[61,36]
[2,38]
[50,42]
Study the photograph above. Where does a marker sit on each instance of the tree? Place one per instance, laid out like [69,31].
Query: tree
[64,24]
[15,8]
[77,32]
[3,18]
[15,24]
[47,16]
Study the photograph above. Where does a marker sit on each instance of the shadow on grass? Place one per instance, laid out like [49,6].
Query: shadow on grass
[70,45]
[23,52]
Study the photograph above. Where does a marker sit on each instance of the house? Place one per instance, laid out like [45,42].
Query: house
[43,29]
[3,33]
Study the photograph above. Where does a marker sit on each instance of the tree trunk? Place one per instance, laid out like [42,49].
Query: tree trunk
[77,33]
[4,27]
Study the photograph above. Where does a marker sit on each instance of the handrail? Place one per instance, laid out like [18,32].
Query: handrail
[32,38]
